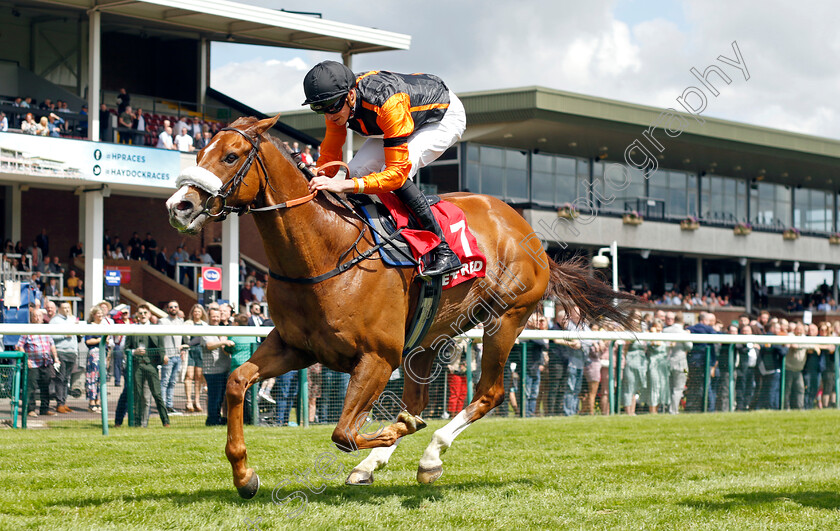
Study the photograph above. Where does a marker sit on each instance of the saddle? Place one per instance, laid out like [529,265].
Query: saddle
[395,250]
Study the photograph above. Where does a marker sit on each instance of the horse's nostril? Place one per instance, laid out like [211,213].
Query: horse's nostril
[184,205]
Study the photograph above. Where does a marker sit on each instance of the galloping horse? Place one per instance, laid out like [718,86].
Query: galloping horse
[355,322]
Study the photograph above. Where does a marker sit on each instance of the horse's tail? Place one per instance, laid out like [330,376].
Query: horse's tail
[573,284]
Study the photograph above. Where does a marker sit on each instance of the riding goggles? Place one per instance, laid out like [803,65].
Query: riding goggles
[329,106]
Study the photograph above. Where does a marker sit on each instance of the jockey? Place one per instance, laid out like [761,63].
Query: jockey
[411,120]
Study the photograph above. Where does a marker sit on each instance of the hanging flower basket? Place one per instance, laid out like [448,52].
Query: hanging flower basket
[790,234]
[690,223]
[632,218]
[834,239]
[568,211]
[742,229]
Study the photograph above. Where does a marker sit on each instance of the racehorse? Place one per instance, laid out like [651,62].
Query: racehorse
[355,322]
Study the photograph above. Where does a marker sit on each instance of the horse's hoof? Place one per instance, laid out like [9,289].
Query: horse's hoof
[249,490]
[413,422]
[359,477]
[427,476]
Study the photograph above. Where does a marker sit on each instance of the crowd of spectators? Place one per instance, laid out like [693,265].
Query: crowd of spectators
[570,377]
[118,123]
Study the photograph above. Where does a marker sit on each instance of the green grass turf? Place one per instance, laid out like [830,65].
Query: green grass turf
[765,470]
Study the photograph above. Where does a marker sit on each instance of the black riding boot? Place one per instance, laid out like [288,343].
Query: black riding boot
[445,260]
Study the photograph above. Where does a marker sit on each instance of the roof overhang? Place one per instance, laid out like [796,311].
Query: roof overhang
[554,121]
[223,20]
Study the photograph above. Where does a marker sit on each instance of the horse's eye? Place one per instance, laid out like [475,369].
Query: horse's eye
[231,158]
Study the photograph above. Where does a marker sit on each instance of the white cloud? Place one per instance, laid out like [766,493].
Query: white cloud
[789,48]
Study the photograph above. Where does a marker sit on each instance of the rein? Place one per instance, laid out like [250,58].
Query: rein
[238,179]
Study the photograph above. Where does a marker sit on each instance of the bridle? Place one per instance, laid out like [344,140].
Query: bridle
[239,178]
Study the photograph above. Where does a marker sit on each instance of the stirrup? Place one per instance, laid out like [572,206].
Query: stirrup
[445,261]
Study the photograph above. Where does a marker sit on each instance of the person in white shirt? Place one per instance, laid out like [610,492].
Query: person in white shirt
[4,122]
[165,138]
[183,141]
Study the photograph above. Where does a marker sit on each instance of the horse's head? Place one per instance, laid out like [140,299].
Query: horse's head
[224,179]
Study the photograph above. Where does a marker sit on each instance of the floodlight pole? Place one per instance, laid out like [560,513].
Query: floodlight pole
[614,253]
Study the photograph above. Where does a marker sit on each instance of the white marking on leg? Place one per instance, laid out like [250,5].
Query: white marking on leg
[377,458]
[442,440]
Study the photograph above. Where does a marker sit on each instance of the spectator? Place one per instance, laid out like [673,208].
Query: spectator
[180,256]
[55,266]
[216,367]
[139,125]
[83,122]
[227,314]
[165,138]
[43,127]
[829,397]
[125,120]
[123,101]
[634,379]
[677,360]
[150,243]
[607,360]
[592,373]
[457,374]
[814,365]
[204,257]
[724,371]
[203,140]
[659,372]
[795,359]
[246,296]
[258,291]
[95,316]
[162,262]
[241,351]
[4,122]
[195,364]
[67,348]
[54,125]
[176,349]
[43,361]
[577,352]
[696,381]
[770,362]
[29,126]
[184,142]
[75,251]
[43,241]
[256,318]
[105,124]
[746,370]
[148,353]
[558,361]
[306,156]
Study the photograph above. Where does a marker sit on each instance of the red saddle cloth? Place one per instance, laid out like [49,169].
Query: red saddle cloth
[453,223]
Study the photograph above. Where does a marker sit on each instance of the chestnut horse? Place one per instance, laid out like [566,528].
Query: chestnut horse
[355,322]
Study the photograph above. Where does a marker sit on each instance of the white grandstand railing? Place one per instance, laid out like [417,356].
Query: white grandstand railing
[475,334]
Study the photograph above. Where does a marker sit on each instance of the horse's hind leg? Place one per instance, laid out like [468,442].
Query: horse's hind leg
[416,370]
[271,359]
[489,394]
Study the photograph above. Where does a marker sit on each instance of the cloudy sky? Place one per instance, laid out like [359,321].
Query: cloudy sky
[638,51]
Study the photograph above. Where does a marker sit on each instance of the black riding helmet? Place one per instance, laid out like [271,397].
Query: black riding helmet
[326,82]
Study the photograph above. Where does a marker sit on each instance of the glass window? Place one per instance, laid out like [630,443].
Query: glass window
[722,198]
[813,210]
[771,204]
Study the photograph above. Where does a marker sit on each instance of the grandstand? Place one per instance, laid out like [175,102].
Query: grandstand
[74,59]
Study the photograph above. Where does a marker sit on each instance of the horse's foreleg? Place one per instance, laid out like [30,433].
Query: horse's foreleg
[272,358]
[489,393]
[416,370]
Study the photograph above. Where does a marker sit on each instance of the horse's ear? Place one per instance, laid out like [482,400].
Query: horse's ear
[264,125]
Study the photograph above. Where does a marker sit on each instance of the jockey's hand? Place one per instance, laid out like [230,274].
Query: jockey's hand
[329,184]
